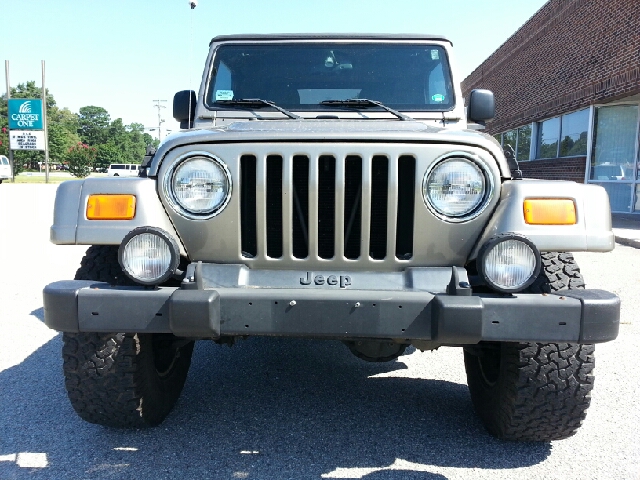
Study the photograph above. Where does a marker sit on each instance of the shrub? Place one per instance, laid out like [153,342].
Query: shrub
[81,157]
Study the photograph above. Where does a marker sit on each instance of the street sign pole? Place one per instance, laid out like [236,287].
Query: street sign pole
[44,125]
[6,74]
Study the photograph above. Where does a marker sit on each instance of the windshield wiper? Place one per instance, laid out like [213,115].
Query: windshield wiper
[365,103]
[258,102]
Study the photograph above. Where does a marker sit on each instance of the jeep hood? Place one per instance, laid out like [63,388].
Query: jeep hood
[341,131]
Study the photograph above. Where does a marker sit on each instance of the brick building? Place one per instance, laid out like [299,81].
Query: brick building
[567,87]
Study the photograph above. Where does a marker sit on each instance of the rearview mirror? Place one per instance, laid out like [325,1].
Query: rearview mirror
[184,108]
[481,106]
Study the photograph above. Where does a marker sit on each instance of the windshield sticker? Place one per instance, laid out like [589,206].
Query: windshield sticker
[435,55]
[224,95]
[438,97]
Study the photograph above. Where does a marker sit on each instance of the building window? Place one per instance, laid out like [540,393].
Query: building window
[510,138]
[524,143]
[615,143]
[574,134]
[564,136]
[519,139]
[548,138]
[613,163]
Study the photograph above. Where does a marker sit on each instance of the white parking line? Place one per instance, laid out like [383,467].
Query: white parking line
[27,459]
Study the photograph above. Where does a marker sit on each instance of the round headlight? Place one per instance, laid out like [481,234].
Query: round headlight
[149,255]
[509,263]
[199,186]
[455,188]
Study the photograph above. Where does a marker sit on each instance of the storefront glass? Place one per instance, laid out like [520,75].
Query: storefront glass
[615,154]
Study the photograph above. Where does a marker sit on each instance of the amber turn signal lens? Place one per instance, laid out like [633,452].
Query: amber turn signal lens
[549,211]
[111,207]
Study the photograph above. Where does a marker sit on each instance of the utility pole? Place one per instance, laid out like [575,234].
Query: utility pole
[158,105]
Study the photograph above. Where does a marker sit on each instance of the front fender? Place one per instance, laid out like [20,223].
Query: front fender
[591,232]
[70,223]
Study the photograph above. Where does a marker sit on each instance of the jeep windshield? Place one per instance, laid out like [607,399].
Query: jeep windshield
[303,75]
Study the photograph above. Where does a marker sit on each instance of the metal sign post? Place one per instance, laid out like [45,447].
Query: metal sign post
[44,122]
[6,75]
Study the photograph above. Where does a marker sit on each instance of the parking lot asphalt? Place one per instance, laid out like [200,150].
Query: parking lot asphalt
[289,409]
[626,228]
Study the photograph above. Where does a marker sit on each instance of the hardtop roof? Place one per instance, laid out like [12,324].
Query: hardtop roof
[327,36]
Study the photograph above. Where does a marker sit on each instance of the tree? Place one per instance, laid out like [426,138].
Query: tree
[93,123]
[29,90]
[106,154]
[81,157]
[62,131]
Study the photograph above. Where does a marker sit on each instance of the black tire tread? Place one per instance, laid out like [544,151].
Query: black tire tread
[111,378]
[559,272]
[100,263]
[544,395]
[543,390]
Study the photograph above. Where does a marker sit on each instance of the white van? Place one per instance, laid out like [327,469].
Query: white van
[5,168]
[123,170]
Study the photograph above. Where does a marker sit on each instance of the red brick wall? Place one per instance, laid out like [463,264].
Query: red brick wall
[570,54]
[555,169]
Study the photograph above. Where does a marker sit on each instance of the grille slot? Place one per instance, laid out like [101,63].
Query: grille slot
[352,206]
[274,206]
[379,197]
[326,206]
[248,232]
[300,216]
[406,199]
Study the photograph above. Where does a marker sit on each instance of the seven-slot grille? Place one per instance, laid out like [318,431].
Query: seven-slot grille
[327,206]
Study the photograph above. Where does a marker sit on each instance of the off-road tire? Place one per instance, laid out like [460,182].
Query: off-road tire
[120,379]
[559,272]
[534,391]
[100,263]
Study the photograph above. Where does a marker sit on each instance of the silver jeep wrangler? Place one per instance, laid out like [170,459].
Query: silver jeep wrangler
[329,186]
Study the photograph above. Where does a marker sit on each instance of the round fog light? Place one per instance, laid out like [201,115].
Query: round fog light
[149,255]
[509,263]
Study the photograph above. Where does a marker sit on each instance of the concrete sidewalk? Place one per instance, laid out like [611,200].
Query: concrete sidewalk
[626,228]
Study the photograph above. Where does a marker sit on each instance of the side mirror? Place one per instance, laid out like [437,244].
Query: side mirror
[482,106]
[184,108]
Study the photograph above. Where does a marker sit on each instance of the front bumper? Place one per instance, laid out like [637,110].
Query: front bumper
[212,306]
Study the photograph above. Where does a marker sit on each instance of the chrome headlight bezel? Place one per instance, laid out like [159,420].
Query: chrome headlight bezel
[490,245]
[169,192]
[170,243]
[476,210]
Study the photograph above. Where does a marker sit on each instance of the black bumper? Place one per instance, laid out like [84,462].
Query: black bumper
[576,316]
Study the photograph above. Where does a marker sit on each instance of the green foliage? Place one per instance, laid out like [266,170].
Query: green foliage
[93,123]
[106,154]
[81,157]
[29,90]
[62,126]
[22,159]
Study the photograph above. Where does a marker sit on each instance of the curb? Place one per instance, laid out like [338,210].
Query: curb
[629,242]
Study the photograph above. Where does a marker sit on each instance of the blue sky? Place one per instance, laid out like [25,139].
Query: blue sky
[122,55]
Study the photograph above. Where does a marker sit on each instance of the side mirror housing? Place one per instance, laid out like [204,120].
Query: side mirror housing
[184,108]
[482,106]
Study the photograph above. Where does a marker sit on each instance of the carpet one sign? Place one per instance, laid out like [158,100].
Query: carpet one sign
[26,124]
